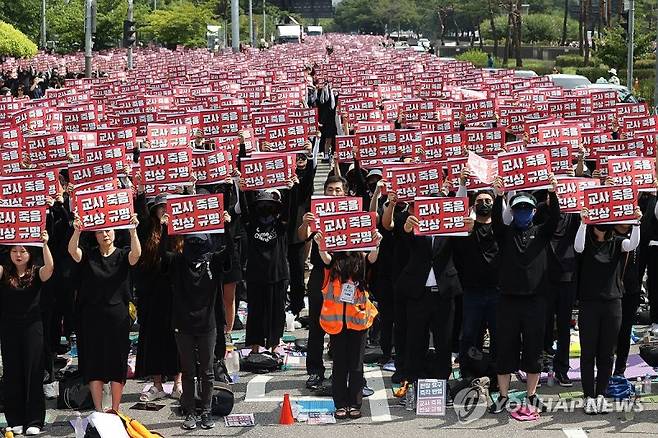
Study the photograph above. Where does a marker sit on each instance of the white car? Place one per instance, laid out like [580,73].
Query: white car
[569,81]
[623,94]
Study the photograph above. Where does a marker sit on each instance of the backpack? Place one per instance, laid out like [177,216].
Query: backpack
[261,363]
[649,354]
[74,393]
[220,372]
[619,388]
[222,400]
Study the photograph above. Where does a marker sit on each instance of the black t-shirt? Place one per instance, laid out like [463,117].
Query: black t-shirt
[195,289]
[21,303]
[601,264]
[105,281]
[267,253]
[476,258]
[631,272]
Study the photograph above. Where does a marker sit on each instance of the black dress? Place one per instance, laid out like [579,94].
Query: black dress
[104,295]
[21,341]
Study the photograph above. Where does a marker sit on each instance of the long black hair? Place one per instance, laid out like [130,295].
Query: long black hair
[10,275]
[349,266]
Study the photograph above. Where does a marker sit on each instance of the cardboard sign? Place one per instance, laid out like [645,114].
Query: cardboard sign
[47,149]
[374,147]
[22,225]
[196,214]
[160,135]
[166,167]
[348,232]
[485,142]
[561,156]
[441,216]
[484,170]
[286,138]
[95,171]
[328,205]
[412,181]
[125,137]
[210,167]
[23,192]
[525,170]
[570,193]
[268,170]
[610,204]
[110,209]
[638,172]
[431,397]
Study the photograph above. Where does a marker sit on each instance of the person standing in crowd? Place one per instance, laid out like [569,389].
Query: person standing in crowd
[521,312]
[21,337]
[157,355]
[600,291]
[346,316]
[333,186]
[104,294]
[196,268]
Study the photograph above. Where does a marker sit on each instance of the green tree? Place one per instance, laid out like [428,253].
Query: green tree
[23,15]
[612,48]
[14,43]
[181,23]
[66,24]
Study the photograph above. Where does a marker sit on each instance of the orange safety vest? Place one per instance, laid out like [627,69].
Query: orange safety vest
[358,316]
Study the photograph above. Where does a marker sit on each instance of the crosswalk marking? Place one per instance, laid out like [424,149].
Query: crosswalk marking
[256,388]
[379,410]
[575,433]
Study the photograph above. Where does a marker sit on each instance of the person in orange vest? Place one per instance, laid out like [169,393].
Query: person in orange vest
[346,315]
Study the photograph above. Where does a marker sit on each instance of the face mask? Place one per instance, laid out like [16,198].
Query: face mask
[267,220]
[522,218]
[196,250]
[483,209]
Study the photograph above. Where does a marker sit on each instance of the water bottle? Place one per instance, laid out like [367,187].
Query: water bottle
[411,398]
[290,322]
[78,426]
[550,380]
[74,345]
[646,384]
[638,386]
[232,361]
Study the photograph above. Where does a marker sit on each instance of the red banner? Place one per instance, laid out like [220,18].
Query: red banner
[126,137]
[107,168]
[79,141]
[525,170]
[268,170]
[374,147]
[412,181]
[160,135]
[328,205]
[24,192]
[210,167]
[345,148]
[638,172]
[442,146]
[22,225]
[348,232]
[286,138]
[610,204]
[561,156]
[485,142]
[196,214]
[47,149]
[441,216]
[165,167]
[111,209]
[570,193]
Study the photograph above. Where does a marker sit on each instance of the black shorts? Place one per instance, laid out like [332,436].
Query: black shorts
[235,274]
[520,325]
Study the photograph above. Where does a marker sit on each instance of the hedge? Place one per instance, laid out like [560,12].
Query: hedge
[575,61]
[14,43]
[475,56]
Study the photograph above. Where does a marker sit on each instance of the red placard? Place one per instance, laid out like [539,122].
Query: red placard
[441,216]
[374,147]
[328,205]
[268,170]
[477,110]
[22,225]
[411,142]
[557,133]
[286,138]
[525,170]
[126,137]
[210,167]
[261,120]
[24,192]
[345,148]
[610,204]
[348,232]
[10,160]
[455,167]
[161,135]
[485,142]
[442,146]
[110,209]
[79,141]
[561,156]
[106,168]
[412,181]
[638,172]
[570,193]
[47,149]
[196,214]
[166,167]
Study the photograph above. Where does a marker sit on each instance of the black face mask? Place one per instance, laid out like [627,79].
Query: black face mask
[483,209]
[196,250]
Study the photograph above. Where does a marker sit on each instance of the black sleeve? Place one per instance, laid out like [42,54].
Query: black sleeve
[307,182]
[497,224]
[547,229]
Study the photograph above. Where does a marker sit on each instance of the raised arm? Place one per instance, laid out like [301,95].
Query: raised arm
[135,247]
[630,244]
[74,243]
[579,243]
[324,255]
[46,271]
[548,228]
[388,218]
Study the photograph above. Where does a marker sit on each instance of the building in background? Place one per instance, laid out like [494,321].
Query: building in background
[311,9]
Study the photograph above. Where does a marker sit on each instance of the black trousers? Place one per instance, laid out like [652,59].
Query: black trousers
[520,333]
[384,295]
[559,306]
[48,346]
[348,348]
[599,323]
[193,348]
[650,258]
[220,321]
[22,359]
[629,306]
[266,313]
[314,363]
[457,323]
[429,313]
[296,263]
[400,329]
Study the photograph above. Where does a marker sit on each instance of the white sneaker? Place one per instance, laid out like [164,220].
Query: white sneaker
[152,394]
[590,407]
[602,405]
[18,430]
[176,393]
[654,329]
[32,430]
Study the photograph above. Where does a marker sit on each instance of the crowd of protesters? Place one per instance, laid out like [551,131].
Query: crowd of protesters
[507,288]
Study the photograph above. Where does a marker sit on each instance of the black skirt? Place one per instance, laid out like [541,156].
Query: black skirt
[104,343]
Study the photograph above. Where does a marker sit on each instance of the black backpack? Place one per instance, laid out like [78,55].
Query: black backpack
[74,393]
[649,354]
[222,400]
[261,363]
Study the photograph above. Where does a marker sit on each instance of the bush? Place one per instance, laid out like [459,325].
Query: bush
[538,66]
[592,73]
[475,56]
[536,28]
[575,61]
[642,74]
[14,43]
[645,63]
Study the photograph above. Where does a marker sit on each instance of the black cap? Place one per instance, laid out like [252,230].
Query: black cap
[267,196]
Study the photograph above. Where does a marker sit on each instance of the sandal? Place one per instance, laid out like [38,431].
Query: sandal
[355,413]
[341,414]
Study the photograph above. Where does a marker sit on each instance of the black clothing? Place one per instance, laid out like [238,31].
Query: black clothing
[629,306]
[267,252]
[559,307]
[477,258]
[194,349]
[348,348]
[315,349]
[266,316]
[600,269]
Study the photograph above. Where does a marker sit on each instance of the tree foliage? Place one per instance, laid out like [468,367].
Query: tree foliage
[182,23]
[612,48]
[14,43]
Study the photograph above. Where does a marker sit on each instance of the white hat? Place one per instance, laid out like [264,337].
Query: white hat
[613,71]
